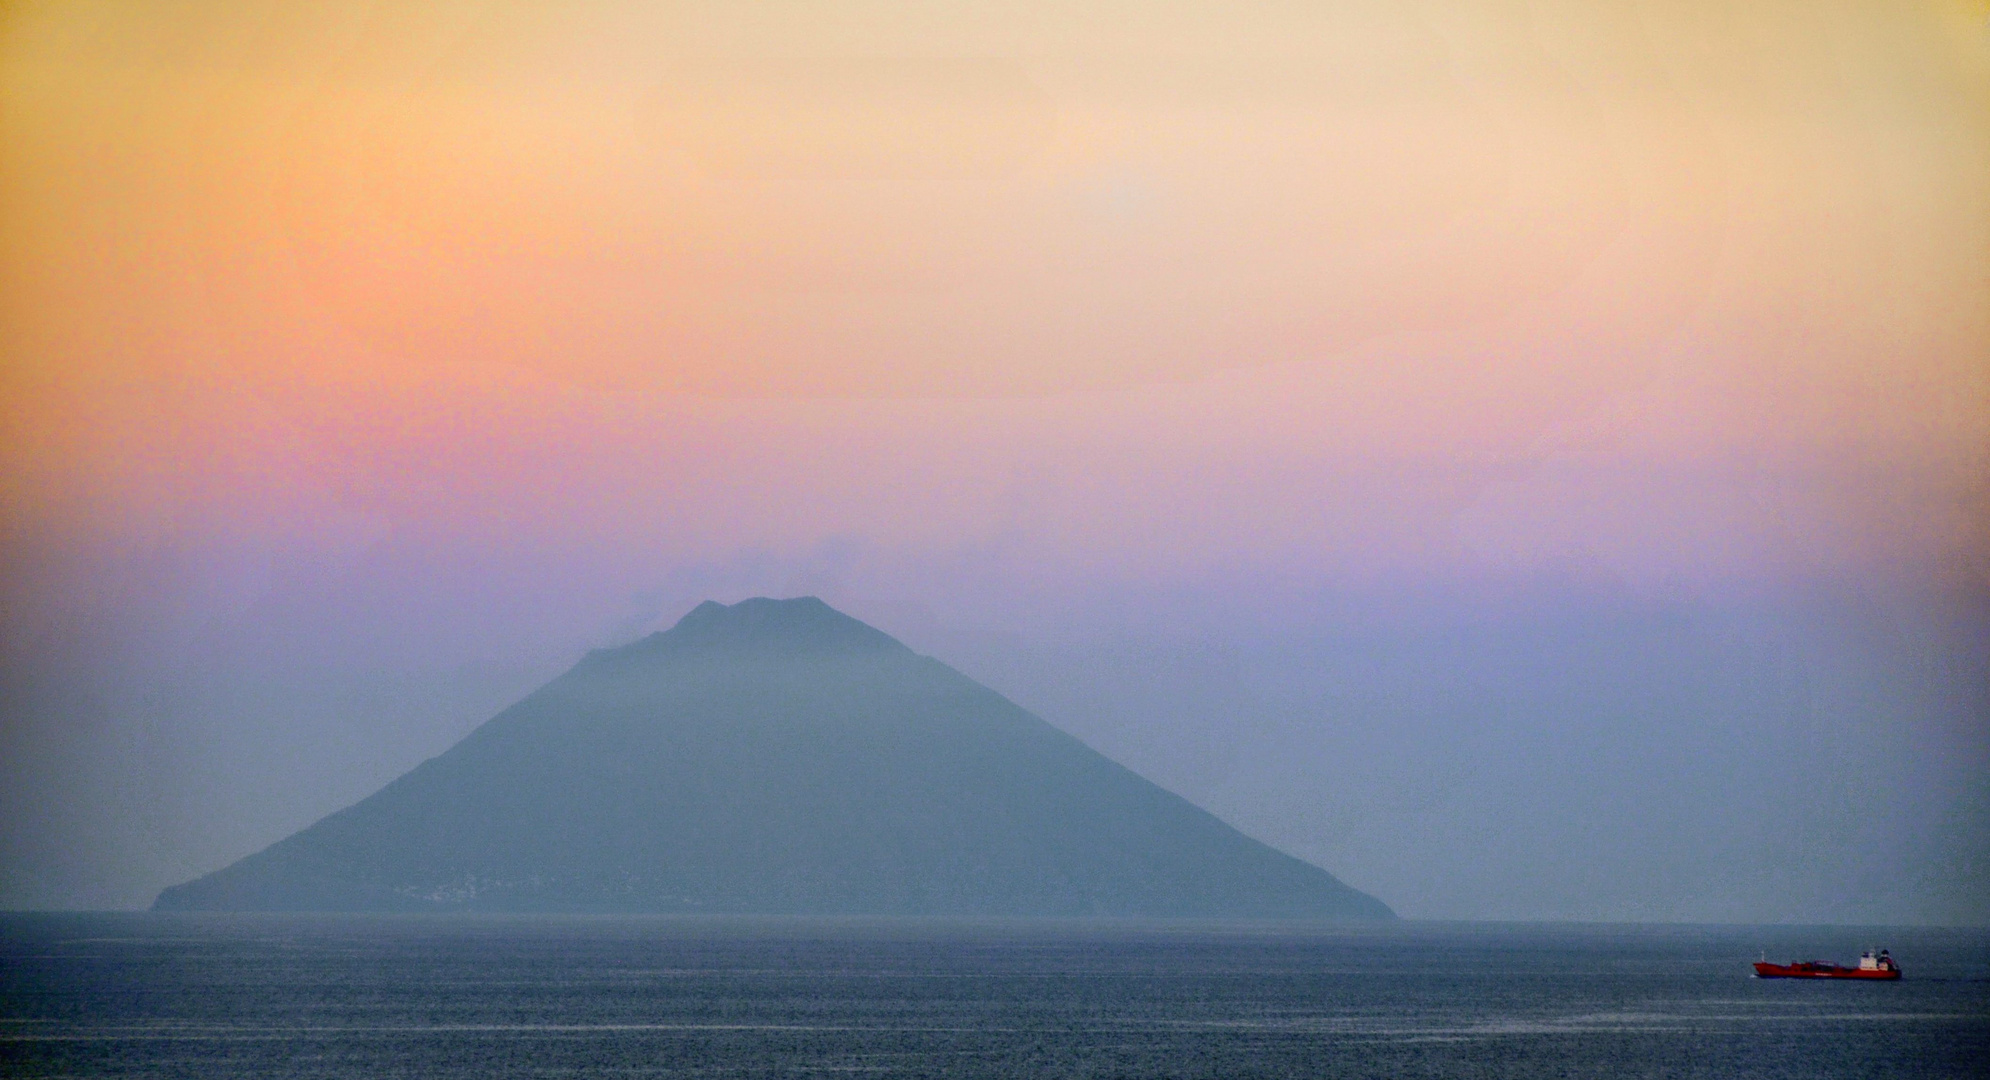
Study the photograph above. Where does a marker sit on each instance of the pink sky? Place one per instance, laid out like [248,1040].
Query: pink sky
[1666,296]
[1062,273]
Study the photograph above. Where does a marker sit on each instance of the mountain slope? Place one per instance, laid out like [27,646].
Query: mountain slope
[773,756]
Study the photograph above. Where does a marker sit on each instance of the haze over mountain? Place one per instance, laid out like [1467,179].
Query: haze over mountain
[774,756]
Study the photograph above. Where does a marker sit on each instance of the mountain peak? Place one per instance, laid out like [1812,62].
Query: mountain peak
[803,624]
[773,757]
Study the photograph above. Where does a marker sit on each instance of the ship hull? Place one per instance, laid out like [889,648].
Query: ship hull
[1822,971]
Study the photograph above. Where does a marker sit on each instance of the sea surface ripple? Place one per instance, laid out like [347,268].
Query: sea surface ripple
[141,995]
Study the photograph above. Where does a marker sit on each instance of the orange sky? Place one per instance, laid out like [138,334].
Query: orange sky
[1676,287]
[1585,402]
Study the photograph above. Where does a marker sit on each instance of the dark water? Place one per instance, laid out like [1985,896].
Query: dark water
[319,996]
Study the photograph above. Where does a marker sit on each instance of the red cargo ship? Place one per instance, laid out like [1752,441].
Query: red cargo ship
[1870,967]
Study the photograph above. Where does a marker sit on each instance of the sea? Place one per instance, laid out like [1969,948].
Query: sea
[142,995]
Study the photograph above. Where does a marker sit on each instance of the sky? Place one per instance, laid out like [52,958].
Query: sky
[1530,459]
